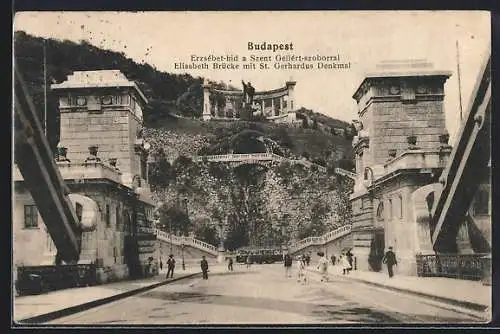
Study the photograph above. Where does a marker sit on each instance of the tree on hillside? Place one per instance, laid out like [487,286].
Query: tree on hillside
[237,234]
[65,57]
[207,234]
[173,219]
[160,171]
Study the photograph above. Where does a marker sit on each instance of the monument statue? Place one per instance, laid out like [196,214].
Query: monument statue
[248,93]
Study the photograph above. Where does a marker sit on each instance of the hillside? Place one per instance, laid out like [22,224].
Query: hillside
[168,93]
[193,137]
[253,202]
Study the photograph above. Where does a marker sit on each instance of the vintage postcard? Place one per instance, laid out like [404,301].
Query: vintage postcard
[251,168]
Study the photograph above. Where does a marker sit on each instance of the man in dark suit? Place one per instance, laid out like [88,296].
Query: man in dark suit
[204,267]
[390,259]
[170,266]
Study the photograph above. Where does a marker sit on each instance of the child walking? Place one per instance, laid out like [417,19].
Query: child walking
[323,266]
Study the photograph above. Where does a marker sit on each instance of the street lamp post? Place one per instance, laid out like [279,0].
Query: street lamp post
[170,233]
[182,245]
[182,254]
[221,236]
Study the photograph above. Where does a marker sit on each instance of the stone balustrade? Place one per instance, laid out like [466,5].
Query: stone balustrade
[187,241]
[193,242]
[345,173]
[88,170]
[327,237]
[418,159]
[253,157]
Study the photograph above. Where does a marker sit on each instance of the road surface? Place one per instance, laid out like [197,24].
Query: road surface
[263,295]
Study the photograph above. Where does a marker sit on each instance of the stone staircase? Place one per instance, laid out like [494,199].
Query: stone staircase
[186,242]
[320,241]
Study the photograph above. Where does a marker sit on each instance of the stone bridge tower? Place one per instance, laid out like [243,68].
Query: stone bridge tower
[402,144]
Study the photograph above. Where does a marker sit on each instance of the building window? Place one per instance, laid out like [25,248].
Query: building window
[126,221]
[81,100]
[481,203]
[79,211]
[380,212]
[107,100]
[400,206]
[117,218]
[49,242]
[107,216]
[389,209]
[30,216]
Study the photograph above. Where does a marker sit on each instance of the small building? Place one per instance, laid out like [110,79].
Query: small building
[102,158]
[276,105]
[401,151]
[402,145]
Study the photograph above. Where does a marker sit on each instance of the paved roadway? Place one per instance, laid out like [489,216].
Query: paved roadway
[263,295]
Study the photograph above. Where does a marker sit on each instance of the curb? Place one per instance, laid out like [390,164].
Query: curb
[38,319]
[455,302]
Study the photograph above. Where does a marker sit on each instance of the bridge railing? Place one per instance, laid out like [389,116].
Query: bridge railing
[347,173]
[253,157]
[238,157]
[325,238]
[186,241]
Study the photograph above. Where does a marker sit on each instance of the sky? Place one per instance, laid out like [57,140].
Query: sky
[362,38]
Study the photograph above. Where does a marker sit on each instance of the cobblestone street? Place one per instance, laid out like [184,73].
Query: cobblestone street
[263,295]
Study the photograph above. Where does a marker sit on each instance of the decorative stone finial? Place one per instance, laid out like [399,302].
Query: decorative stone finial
[444,138]
[412,142]
[93,149]
[61,154]
[112,162]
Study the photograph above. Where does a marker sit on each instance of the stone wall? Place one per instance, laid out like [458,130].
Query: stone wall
[114,130]
[31,246]
[362,211]
[104,246]
[394,121]
[109,130]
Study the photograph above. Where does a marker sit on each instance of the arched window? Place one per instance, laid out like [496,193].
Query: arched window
[389,208]
[380,212]
[79,211]
[399,206]
[481,202]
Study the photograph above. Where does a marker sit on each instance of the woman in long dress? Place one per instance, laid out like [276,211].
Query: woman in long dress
[300,269]
[346,265]
[323,267]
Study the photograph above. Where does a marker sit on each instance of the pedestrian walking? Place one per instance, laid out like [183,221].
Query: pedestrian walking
[333,260]
[249,260]
[301,270]
[346,266]
[170,266]
[288,265]
[308,259]
[204,267]
[230,264]
[349,259]
[390,259]
[323,266]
